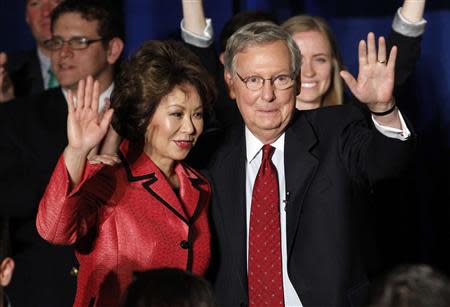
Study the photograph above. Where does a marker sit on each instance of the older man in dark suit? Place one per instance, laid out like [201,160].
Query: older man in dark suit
[287,231]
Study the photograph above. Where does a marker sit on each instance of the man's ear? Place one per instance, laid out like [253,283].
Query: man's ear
[115,48]
[230,84]
[6,271]
[222,57]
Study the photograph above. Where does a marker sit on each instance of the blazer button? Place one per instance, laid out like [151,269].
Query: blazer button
[185,244]
[74,271]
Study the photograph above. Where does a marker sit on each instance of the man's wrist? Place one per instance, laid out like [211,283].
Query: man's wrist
[383,113]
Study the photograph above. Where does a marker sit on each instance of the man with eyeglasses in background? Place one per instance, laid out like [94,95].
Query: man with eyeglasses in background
[28,73]
[87,39]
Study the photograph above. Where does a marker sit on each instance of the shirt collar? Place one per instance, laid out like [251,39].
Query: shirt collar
[254,145]
[6,301]
[43,60]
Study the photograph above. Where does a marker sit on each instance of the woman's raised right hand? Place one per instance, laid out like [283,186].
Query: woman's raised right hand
[86,125]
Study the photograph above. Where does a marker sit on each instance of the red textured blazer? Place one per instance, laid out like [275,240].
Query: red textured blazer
[126,218]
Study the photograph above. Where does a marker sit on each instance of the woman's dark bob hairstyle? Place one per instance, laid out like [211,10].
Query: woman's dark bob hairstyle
[148,76]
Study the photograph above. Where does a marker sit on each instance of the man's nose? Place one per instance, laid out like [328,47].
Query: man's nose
[268,92]
[47,9]
[65,50]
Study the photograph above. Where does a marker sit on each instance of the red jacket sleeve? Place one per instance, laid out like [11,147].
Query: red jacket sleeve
[65,215]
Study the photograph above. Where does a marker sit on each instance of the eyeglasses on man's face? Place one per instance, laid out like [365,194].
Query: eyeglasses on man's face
[74,43]
[254,83]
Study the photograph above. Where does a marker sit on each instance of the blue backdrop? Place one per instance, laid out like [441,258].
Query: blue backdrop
[351,20]
[429,107]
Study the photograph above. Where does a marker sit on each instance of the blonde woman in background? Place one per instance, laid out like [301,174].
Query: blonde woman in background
[322,62]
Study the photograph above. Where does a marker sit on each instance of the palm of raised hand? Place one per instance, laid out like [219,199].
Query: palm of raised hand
[86,126]
[375,82]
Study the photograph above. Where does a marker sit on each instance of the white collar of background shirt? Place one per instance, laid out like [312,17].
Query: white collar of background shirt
[45,64]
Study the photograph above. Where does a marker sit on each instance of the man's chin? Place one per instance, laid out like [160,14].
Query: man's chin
[69,86]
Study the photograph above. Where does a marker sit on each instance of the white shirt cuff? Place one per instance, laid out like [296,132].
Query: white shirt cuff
[394,133]
[204,40]
[407,28]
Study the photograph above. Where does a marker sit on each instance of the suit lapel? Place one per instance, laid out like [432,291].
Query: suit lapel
[300,166]
[140,168]
[160,188]
[192,193]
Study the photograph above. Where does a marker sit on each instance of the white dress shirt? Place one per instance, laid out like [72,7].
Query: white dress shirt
[254,157]
[45,64]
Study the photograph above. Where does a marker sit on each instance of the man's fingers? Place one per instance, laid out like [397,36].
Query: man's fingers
[381,50]
[392,58]
[371,48]
[362,54]
[349,80]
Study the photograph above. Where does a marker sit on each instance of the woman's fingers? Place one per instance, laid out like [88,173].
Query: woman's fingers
[105,159]
[80,94]
[70,106]
[95,96]
[88,95]
[88,92]
[106,120]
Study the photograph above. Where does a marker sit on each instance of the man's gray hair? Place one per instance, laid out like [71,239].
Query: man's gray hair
[260,33]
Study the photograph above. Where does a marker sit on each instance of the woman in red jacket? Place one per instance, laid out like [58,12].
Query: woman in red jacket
[150,211]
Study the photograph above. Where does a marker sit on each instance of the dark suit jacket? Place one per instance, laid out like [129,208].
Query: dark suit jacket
[25,71]
[33,134]
[329,153]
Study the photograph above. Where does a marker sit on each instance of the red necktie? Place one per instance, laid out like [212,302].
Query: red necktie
[265,280]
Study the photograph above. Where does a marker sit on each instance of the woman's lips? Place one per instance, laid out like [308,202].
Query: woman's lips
[184,144]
